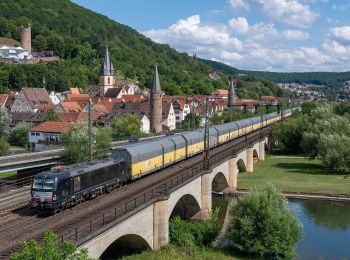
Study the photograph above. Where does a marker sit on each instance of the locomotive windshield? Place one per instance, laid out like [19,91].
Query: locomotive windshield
[44,184]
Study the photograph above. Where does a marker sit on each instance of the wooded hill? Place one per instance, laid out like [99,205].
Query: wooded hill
[79,36]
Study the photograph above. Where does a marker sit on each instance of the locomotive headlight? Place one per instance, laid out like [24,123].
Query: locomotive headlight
[54,197]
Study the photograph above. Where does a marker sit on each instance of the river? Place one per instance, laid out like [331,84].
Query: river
[326,227]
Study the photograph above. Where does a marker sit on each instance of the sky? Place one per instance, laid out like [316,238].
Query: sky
[273,35]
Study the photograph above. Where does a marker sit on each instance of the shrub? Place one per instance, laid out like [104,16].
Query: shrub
[263,225]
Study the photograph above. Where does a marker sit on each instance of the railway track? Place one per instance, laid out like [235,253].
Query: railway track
[27,224]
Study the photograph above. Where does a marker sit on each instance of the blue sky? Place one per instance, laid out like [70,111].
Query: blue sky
[275,35]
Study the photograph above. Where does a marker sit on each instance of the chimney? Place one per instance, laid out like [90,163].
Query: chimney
[26,38]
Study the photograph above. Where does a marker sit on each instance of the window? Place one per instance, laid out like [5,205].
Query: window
[32,134]
[108,80]
[37,134]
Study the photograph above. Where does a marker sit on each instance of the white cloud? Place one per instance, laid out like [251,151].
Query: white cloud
[239,25]
[341,7]
[239,4]
[256,46]
[291,12]
[295,35]
[341,34]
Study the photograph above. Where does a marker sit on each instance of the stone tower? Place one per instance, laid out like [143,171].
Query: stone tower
[232,92]
[26,38]
[156,99]
[107,79]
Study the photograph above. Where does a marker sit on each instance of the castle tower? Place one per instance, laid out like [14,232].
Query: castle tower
[26,38]
[232,92]
[107,79]
[156,99]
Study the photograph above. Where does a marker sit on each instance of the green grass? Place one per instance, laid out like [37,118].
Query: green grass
[7,174]
[171,252]
[295,174]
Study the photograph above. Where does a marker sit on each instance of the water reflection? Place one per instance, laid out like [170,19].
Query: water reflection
[331,215]
[326,228]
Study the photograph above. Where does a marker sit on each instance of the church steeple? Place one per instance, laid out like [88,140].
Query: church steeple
[107,68]
[107,79]
[156,103]
[232,92]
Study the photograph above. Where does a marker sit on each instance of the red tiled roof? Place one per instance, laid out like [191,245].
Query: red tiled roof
[76,91]
[132,98]
[51,127]
[70,107]
[3,98]
[76,97]
[37,96]
[268,98]
[73,117]
[220,92]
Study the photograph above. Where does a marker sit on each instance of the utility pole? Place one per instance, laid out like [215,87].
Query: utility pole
[206,136]
[90,130]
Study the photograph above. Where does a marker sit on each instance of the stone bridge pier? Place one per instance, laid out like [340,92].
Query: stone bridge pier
[148,228]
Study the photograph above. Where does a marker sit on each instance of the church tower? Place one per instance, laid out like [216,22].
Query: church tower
[156,100]
[107,79]
[232,92]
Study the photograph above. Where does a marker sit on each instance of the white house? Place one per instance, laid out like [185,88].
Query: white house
[55,98]
[47,135]
[145,124]
[169,119]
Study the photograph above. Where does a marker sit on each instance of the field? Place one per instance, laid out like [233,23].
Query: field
[7,174]
[295,174]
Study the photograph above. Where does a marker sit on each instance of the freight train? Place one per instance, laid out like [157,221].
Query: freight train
[63,187]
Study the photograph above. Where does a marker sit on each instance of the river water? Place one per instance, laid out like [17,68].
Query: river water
[326,227]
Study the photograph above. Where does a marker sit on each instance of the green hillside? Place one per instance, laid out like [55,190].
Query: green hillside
[320,78]
[79,37]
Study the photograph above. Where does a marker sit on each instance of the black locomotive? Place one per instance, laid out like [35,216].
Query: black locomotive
[64,187]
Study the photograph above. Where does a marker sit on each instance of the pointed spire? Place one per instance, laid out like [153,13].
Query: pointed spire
[107,68]
[156,83]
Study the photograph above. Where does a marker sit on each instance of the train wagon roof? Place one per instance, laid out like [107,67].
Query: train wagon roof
[223,128]
[244,122]
[179,141]
[167,144]
[193,137]
[143,150]
[212,131]
[256,119]
[270,115]
[233,126]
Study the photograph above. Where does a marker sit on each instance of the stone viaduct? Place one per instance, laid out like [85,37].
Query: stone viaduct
[148,228]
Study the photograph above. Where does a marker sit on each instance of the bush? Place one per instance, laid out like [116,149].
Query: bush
[184,233]
[4,147]
[263,225]
[50,250]
[19,135]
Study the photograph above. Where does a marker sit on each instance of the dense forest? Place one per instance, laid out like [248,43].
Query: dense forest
[331,79]
[79,36]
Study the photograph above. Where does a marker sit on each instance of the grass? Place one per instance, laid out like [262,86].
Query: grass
[295,174]
[171,252]
[7,174]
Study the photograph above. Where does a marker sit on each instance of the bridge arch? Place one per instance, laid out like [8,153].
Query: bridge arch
[125,245]
[186,207]
[220,182]
[241,166]
[255,156]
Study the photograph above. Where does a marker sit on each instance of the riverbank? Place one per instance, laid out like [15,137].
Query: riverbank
[296,175]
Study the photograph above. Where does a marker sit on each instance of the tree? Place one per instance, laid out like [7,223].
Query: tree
[52,116]
[263,225]
[19,135]
[4,123]
[4,147]
[191,121]
[76,143]
[51,249]
[328,139]
[216,119]
[125,126]
[288,135]
[308,107]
